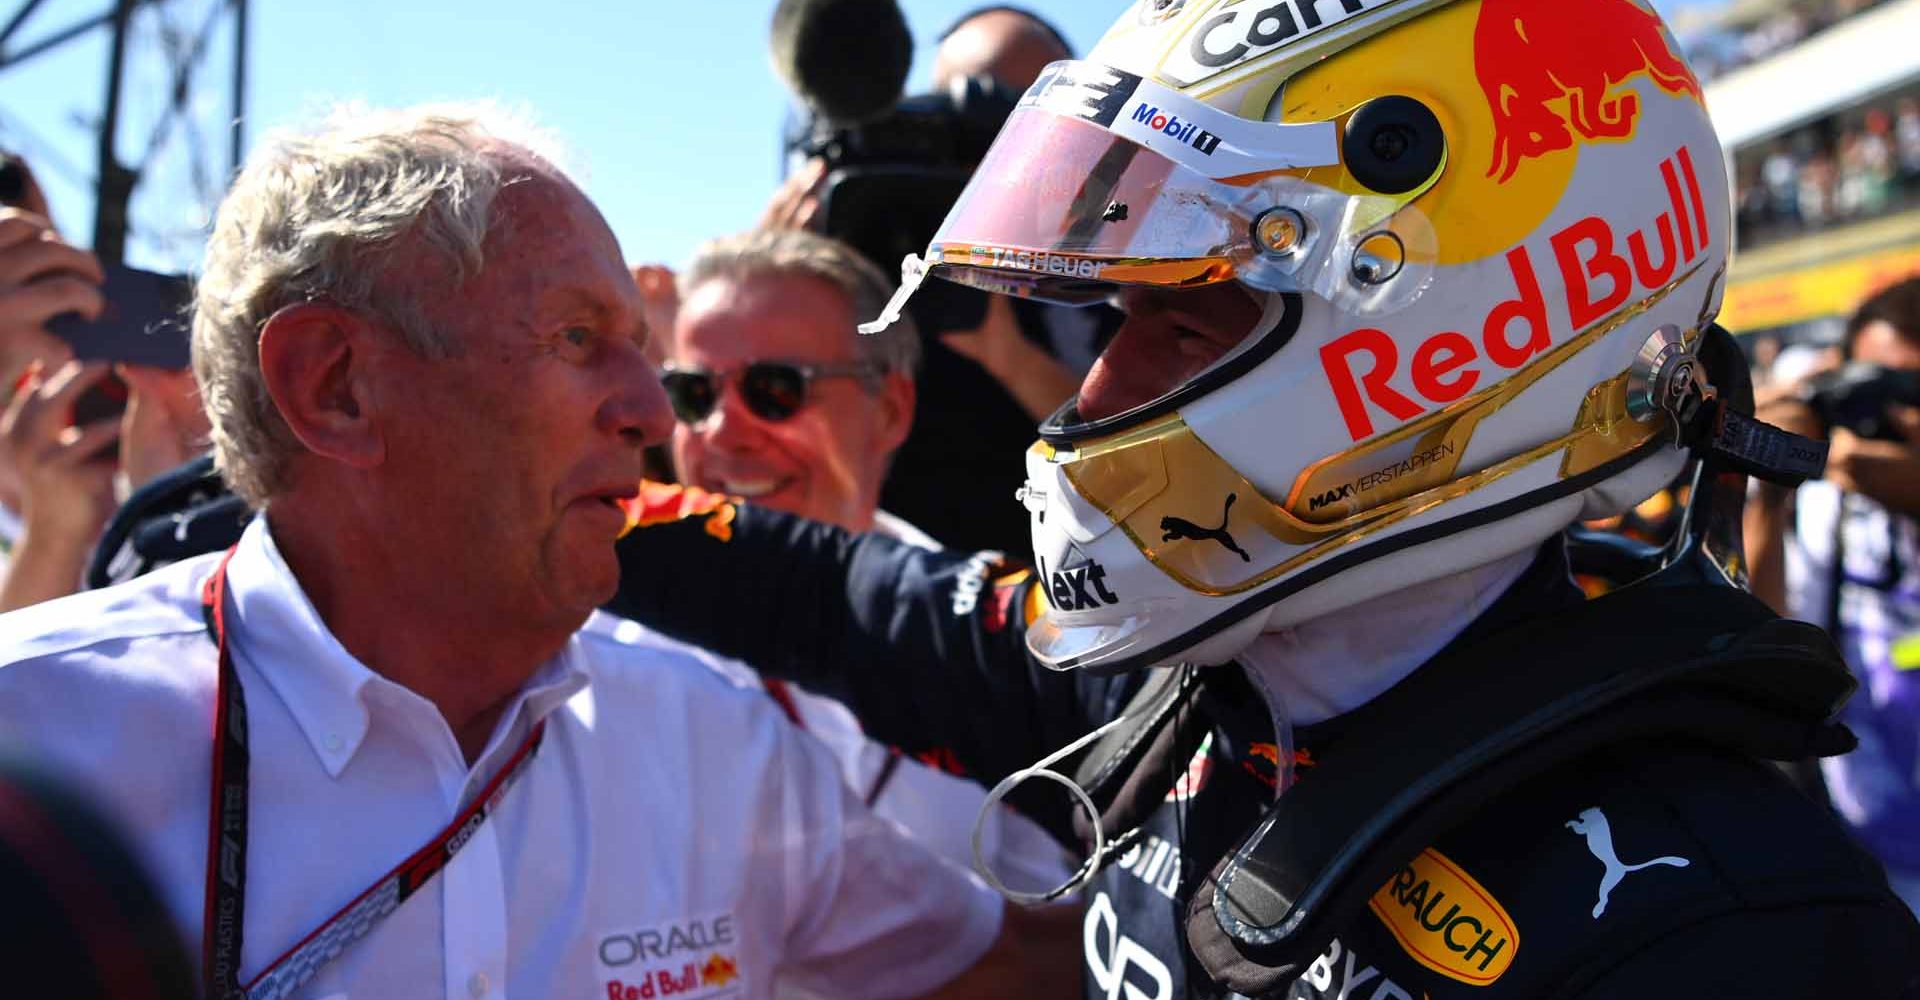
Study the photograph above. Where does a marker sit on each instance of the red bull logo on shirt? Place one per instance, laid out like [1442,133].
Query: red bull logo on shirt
[1554,71]
[665,960]
[720,970]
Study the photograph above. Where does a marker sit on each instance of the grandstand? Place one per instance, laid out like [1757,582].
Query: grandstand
[1818,105]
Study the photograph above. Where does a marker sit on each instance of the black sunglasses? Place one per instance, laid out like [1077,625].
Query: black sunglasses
[773,390]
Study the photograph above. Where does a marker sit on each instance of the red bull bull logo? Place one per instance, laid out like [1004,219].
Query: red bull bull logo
[1556,69]
[720,970]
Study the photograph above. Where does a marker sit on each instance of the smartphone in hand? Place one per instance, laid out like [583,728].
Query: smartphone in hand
[145,322]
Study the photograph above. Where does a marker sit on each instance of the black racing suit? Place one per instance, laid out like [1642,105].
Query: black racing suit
[1644,870]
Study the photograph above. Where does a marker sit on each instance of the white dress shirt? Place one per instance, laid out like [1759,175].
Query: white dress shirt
[674,835]
[938,809]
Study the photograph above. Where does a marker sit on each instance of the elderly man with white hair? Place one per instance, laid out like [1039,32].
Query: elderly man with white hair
[370,751]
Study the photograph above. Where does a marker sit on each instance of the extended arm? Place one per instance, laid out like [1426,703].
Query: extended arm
[927,648]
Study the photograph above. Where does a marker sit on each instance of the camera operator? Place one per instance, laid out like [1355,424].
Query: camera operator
[1010,45]
[58,458]
[994,366]
[1844,553]
[1037,351]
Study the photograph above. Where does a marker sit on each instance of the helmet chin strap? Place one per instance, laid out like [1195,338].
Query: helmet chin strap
[1333,664]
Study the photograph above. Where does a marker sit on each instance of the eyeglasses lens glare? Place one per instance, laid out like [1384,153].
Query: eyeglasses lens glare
[774,392]
[690,393]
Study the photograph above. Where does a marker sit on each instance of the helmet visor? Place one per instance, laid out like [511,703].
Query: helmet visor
[1061,210]
[1102,180]
[1101,177]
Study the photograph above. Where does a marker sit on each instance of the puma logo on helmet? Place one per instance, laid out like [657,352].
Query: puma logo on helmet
[1179,527]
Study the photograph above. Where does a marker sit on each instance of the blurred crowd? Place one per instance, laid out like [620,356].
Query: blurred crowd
[1788,25]
[1842,169]
[78,434]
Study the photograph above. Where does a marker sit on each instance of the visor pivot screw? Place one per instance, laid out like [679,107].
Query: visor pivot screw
[1391,142]
[1394,145]
[1279,232]
[1667,378]
[1378,259]
[1116,212]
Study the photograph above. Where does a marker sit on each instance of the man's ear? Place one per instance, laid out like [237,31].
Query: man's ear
[897,396]
[314,358]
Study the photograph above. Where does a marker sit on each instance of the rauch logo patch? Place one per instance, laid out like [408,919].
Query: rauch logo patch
[1446,921]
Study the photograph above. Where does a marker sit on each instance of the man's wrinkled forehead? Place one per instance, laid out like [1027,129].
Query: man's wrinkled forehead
[534,197]
[545,226]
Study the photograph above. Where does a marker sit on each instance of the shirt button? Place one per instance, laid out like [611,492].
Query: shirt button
[477,985]
[333,742]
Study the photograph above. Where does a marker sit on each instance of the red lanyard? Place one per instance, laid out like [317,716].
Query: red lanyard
[227,845]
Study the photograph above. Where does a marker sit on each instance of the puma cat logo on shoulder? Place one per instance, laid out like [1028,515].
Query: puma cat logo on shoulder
[1592,824]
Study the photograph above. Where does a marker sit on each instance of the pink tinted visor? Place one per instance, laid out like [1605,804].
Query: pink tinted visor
[1101,177]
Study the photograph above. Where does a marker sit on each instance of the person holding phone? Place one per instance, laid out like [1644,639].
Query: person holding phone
[69,427]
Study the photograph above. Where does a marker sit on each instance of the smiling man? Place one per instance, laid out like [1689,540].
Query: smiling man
[371,749]
[779,399]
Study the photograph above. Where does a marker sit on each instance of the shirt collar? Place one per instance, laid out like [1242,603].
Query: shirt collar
[281,635]
[553,685]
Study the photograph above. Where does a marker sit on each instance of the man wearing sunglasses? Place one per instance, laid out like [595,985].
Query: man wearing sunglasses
[779,399]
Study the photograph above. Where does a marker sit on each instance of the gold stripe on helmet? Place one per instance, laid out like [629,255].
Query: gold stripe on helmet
[1150,479]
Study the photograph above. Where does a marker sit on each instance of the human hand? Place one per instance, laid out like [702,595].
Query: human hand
[1885,471]
[997,344]
[796,204]
[164,425]
[66,484]
[660,302]
[1790,414]
[40,277]
[1035,379]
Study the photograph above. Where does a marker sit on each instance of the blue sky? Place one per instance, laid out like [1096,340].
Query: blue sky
[671,107]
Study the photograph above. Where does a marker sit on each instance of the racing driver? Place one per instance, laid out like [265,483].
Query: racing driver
[1412,286]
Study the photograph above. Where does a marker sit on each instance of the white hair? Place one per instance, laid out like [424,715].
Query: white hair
[321,215]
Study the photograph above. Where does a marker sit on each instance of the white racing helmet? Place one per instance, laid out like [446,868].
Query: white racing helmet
[1399,273]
